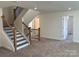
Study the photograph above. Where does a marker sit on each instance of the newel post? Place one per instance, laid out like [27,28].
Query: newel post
[14,34]
[29,34]
[39,34]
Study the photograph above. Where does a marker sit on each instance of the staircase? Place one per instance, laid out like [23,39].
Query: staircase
[21,42]
[14,37]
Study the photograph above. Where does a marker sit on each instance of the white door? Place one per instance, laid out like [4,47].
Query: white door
[65,26]
[70,29]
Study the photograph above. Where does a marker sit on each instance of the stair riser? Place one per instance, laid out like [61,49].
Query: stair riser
[20,39]
[11,34]
[21,42]
[16,36]
[18,48]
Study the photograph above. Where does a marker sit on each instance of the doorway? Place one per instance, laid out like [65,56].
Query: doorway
[35,23]
[68,28]
[35,28]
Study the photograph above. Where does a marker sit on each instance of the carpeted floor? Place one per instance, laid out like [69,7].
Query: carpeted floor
[45,48]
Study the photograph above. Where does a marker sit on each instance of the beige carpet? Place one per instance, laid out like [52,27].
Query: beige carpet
[45,48]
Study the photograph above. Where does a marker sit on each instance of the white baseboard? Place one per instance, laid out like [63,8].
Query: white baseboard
[53,38]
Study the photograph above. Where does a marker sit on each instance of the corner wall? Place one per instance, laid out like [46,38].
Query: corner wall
[51,26]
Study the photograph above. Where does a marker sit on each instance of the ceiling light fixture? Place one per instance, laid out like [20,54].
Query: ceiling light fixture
[35,8]
[69,8]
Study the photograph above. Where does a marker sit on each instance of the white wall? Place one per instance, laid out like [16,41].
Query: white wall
[0,39]
[18,21]
[29,16]
[0,24]
[8,13]
[1,19]
[51,25]
[4,39]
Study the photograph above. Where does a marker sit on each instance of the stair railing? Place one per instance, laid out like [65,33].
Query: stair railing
[29,31]
[38,34]
[13,30]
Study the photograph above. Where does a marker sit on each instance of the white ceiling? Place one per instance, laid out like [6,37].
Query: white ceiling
[45,6]
[6,4]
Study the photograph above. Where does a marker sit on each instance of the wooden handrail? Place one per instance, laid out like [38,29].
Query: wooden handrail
[13,30]
[34,29]
[7,22]
[25,25]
